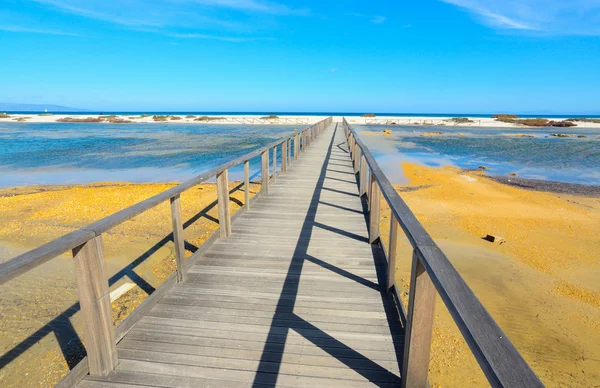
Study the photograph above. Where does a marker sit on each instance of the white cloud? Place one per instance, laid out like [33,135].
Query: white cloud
[184,19]
[555,17]
[161,13]
[334,70]
[13,28]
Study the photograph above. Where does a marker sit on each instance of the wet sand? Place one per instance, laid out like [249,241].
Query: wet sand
[40,326]
[542,286]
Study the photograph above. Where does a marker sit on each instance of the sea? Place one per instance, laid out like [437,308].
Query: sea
[79,153]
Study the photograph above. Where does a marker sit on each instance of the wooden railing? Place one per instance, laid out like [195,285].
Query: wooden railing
[87,248]
[431,271]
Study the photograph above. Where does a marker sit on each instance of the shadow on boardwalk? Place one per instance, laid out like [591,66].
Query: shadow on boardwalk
[271,360]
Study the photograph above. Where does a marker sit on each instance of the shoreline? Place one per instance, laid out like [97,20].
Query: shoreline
[396,121]
[539,185]
[592,191]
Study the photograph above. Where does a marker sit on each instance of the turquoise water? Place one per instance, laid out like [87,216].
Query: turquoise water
[72,153]
[57,153]
[569,160]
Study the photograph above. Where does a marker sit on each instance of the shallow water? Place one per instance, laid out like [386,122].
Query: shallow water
[71,153]
[570,160]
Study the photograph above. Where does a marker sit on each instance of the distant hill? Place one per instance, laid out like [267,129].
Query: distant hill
[11,107]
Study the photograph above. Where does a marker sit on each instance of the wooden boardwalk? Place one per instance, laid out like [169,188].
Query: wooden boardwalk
[295,296]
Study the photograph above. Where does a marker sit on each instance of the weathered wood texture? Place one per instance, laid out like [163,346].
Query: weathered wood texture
[265,172]
[94,298]
[296,296]
[284,156]
[247,184]
[419,328]
[178,239]
[374,212]
[223,204]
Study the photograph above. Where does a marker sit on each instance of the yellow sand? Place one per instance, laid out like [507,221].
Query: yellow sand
[31,216]
[542,286]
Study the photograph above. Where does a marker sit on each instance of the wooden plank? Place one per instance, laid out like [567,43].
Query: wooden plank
[296,147]
[94,299]
[247,184]
[284,157]
[419,328]
[178,239]
[242,352]
[374,214]
[384,358]
[274,163]
[223,204]
[346,374]
[176,371]
[265,172]
[363,176]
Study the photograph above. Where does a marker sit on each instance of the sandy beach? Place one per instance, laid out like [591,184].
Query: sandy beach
[36,336]
[541,285]
[476,122]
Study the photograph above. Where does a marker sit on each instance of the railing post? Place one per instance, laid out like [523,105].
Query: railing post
[223,204]
[265,171]
[284,154]
[247,184]
[357,159]
[274,162]
[178,237]
[289,151]
[419,326]
[374,214]
[296,147]
[363,175]
[94,299]
[392,251]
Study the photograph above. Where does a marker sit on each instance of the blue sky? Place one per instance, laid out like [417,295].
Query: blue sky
[435,56]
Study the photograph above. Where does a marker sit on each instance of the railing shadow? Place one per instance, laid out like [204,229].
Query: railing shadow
[270,363]
[68,340]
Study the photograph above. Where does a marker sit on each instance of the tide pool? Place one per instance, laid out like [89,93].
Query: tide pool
[541,156]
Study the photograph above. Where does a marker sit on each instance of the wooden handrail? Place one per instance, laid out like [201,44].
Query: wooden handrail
[431,270]
[29,260]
